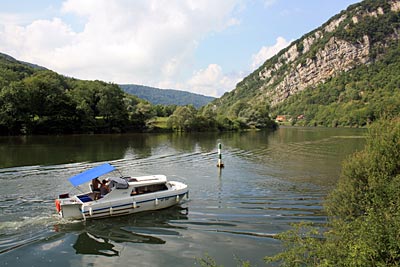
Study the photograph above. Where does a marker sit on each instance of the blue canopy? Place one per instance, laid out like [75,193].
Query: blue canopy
[88,175]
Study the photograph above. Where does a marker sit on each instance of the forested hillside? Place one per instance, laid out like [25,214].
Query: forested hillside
[166,96]
[344,73]
[34,100]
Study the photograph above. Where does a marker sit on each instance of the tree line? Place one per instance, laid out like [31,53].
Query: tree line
[37,101]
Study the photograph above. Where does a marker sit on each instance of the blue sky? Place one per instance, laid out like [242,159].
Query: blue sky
[201,46]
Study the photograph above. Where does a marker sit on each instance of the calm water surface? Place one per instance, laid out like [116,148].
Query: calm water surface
[269,181]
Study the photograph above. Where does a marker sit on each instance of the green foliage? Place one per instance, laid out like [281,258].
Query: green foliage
[208,261]
[182,119]
[12,71]
[39,101]
[363,210]
[377,28]
[164,111]
[187,119]
[14,103]
[166,97]
[302,247]
[355,98]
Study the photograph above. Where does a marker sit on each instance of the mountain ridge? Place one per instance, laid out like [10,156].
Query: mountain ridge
[12,59]
[166,96]
[151,94]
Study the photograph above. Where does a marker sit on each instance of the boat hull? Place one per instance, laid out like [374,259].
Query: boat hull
[118,208]
[73,209]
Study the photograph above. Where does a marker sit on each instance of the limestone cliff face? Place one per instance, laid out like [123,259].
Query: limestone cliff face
[319,56]
[336,56]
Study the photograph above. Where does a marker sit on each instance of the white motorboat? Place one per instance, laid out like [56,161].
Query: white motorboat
[126,195]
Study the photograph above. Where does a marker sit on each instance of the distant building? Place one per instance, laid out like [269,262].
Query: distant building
[280,118]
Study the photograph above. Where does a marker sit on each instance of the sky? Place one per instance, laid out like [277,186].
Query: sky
[200,46]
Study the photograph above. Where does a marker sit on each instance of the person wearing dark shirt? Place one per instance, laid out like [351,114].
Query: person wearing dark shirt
[96,184]
[104,189]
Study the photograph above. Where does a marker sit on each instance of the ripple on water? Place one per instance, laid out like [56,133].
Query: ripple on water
[269,182]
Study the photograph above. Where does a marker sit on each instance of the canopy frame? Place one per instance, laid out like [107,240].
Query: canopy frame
[93,173]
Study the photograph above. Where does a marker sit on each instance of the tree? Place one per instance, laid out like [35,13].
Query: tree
[111,106]
[182,119]
[14,115]
[84,95]
[142,113]
[51,109]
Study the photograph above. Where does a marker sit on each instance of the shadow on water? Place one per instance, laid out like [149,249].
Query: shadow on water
[98,237]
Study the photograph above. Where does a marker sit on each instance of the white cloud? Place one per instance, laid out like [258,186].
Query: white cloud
[7,19]
[212,81]
[144,42]
[267,52]
[37,41]
[150,42]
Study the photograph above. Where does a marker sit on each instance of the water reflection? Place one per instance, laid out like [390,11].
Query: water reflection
[93,245]
[99,237]
[54,150]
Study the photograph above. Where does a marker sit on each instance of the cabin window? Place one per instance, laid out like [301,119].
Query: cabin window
[149,189]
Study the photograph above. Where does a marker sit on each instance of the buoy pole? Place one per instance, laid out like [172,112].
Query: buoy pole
[220,164]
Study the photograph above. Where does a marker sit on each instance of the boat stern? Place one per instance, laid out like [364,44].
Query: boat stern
[69,207]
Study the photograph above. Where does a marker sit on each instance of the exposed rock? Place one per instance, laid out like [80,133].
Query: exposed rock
[292,54]
[334,24]
[336,56]
[395,6]
[309,41]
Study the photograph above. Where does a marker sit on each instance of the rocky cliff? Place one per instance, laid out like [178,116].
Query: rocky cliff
[357,36]
[335,56]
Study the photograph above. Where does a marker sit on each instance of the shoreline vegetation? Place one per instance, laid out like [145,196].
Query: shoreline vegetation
[363,211]
[37,101]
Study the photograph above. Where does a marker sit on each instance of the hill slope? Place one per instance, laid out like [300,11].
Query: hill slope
[13,60]
[351,62]
[35,100]
[166,96]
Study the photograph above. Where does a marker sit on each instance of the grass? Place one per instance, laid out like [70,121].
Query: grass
[159,122]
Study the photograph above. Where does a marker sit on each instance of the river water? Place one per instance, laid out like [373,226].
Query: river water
[269,181]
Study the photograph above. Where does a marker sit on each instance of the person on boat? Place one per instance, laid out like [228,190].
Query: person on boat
[104,189]
[96,184]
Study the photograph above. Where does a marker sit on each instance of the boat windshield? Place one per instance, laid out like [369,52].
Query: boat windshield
[118,183]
